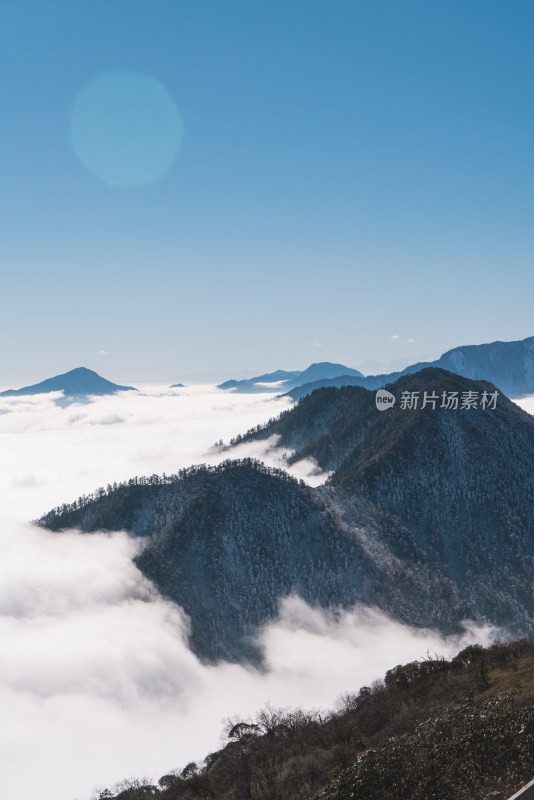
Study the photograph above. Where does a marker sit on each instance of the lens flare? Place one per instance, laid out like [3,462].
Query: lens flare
[126,129]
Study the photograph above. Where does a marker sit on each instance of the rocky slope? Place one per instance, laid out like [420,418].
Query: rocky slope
[431,730]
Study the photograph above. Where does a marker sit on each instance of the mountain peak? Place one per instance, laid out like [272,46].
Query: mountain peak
[78,382]
[321,370]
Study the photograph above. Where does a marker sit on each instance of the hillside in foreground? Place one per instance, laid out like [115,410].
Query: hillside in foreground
[431,730]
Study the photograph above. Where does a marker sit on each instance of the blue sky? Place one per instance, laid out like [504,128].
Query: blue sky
[345,172]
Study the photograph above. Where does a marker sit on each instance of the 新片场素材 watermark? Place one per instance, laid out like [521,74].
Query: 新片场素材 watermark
[448,400]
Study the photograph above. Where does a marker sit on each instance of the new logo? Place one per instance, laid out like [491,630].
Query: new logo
[384,400]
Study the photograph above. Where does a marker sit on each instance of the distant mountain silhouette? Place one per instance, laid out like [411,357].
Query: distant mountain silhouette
[508,365]
[289,380]
[177,386]
[78,382]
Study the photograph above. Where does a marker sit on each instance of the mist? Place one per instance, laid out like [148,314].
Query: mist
[97,681]
[526,403]
[54,453]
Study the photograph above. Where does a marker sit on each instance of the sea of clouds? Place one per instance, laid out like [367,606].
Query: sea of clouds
[97,682]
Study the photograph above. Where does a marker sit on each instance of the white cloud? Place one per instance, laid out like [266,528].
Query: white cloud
[71,451]
[398,338]
[319,650]
[94,661]
[273,385]
[526,403]
[270,453]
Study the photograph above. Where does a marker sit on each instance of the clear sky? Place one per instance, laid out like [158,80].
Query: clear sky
[217,189]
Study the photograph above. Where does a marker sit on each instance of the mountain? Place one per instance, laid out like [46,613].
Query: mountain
[368,382]
[324,369]
[508,365]
[427,515]
[227,543]
[458,483]
[177,386]
[251,385]
[274,380]
[77,382]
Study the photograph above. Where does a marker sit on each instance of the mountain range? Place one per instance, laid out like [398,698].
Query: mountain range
[281,379]
[508,365]
[427,515]
[79,382]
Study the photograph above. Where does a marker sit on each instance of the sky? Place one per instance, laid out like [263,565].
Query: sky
[203,190]
[97,680]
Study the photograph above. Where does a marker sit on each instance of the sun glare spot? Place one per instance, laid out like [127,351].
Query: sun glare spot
[126,128]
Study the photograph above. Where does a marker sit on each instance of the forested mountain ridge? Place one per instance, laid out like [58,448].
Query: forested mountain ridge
[461,481]
[227,543]
[333,425]
[427,516]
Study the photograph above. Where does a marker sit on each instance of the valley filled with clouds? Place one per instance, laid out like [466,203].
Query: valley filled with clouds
[96,675]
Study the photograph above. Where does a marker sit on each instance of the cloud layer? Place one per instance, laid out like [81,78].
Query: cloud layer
[526,403]
[53,454]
